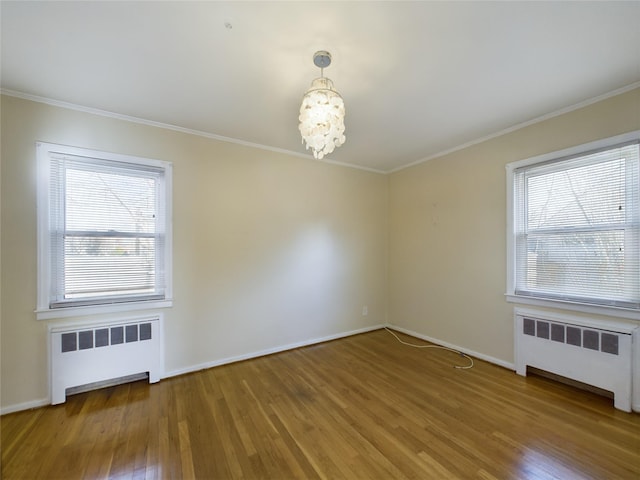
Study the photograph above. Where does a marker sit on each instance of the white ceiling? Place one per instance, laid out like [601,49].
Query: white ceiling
[418,78]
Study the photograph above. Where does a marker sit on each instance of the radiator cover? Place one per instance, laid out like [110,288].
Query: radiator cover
[83,354]
[598,353]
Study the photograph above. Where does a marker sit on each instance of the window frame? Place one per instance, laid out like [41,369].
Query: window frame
[44,153]
[511,295]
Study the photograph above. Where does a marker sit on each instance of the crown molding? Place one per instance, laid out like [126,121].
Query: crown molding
[556,113]
[176,128]
[213,136]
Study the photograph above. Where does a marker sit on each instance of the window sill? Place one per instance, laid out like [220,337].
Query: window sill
[617,312]
[49,314]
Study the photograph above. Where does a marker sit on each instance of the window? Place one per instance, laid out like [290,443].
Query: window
[574,226]
[104,229]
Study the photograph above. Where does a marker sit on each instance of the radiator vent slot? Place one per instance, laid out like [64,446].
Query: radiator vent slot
[603,341]
[590,351]
[86,355]
[103,337]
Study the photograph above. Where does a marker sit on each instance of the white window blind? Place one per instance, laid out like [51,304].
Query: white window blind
[577,228]
[107,231]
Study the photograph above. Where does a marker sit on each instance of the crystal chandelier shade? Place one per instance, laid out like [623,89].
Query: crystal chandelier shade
[322,113]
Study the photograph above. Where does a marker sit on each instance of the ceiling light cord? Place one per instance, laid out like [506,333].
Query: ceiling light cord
[461,367]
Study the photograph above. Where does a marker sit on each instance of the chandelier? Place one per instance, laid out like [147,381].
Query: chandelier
[322,112]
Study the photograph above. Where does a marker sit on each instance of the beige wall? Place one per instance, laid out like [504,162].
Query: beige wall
[272,250]
[269,249]
[447,229]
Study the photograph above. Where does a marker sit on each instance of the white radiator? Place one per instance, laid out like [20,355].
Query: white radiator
[92,353]
[593,352]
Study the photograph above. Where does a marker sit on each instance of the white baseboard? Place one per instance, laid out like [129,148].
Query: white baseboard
[269,351]
[43,402]
[510,366]
[481,356]
[194,368]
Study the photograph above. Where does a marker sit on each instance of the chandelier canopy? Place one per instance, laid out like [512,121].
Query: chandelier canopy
[322,113]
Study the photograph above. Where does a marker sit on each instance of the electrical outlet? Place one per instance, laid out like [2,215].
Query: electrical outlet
[365,310]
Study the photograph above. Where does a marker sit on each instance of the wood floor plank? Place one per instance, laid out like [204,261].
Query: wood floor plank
[360,407]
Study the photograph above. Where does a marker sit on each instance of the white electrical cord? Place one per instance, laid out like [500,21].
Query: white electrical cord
[462,367]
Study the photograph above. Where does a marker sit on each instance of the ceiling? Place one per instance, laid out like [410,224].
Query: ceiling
[417,78]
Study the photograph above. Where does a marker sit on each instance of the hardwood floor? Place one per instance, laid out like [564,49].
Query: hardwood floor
[360,407]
